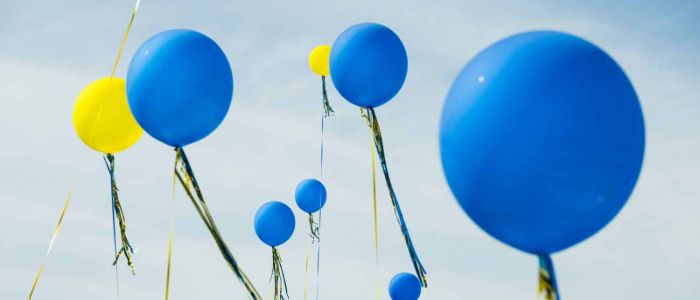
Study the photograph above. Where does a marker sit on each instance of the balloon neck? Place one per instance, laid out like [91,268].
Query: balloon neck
[547,287]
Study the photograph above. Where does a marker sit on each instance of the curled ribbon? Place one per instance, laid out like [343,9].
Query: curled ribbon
[281,291]
[126,247]
[185,175]
[371,118]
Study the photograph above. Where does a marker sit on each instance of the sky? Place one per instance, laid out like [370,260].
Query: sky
[50,50]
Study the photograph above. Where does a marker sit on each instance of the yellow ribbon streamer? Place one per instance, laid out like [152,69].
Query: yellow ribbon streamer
[314,232]
[374,204]
[126,35]
[170,255]
[170,238]
[376,226]
[365,114]
[53,239]
[306,268]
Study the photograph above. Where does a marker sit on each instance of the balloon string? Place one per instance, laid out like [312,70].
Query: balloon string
[114,244]
[126,35]
[170,239]
[314,234]
[185,175]
[281,291]
[323,117]
[306,268]
[318,254]
[114,239]
[371,118]
[328,110]
[374,206]
[114,203]
[547,287]
[53,240]
[126,247]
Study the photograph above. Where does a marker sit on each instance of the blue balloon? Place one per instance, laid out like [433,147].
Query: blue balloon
[310,195]
[368,64]
[404,286]
[179,86]
[542,140]
[274,223]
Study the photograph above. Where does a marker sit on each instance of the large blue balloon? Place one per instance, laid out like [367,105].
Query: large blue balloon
[310,195]
[542,140]
[274,223]
[404,286]
[368,64]
[179,86]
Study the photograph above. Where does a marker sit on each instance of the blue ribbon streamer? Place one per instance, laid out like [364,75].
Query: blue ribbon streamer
[379,144]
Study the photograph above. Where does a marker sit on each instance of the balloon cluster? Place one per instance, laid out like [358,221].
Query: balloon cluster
[541,137]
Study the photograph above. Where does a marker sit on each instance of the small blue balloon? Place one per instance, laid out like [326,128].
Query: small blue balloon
[179,86]
[404,286]
[274,223]
[310,195]
[542,140]
[368,64]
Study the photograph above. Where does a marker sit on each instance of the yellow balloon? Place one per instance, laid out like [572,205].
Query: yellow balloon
[102,117]
[319,59]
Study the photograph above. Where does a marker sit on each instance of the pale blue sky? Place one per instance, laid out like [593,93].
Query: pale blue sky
[49,50]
